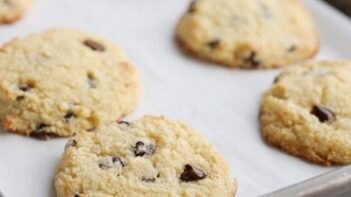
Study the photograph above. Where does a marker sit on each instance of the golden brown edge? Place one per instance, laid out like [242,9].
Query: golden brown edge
[9,21]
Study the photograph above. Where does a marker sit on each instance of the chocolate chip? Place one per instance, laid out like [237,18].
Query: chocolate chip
[93,45]
[191,173]
[214,43]
[109,162]
[30,84]
[149,180]
[251,60]
[323,114]
[292,48]
[42,126]
[124,122]
[192,7]
[103,166]
[91,130]
[69,115]
[71,143]
[20,98]
[140,149]
[276,79]
[41,132]
[117,160]
[25,88]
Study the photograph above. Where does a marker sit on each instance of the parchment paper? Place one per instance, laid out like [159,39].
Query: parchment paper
[220,102]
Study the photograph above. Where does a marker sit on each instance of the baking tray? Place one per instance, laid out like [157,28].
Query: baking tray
[332,184]
[342,5]
[222,103]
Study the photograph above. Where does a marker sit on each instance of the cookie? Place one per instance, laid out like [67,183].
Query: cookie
[152,156]
[64,81]
[248,33]
[307,112]
[12,10]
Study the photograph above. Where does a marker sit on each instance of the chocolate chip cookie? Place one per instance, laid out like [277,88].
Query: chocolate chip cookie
[307,112]
[64,81]
[248,33]
[152,156]
[12,10]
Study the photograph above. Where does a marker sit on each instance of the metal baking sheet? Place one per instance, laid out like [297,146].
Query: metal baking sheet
[332,184]
[222,103]
[342,5]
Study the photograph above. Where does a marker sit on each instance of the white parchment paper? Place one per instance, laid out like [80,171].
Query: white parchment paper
[220,102]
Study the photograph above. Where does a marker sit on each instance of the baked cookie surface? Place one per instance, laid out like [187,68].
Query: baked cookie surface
[152,156]
[12,10]
[64,81]
[307,112]
[248,33]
